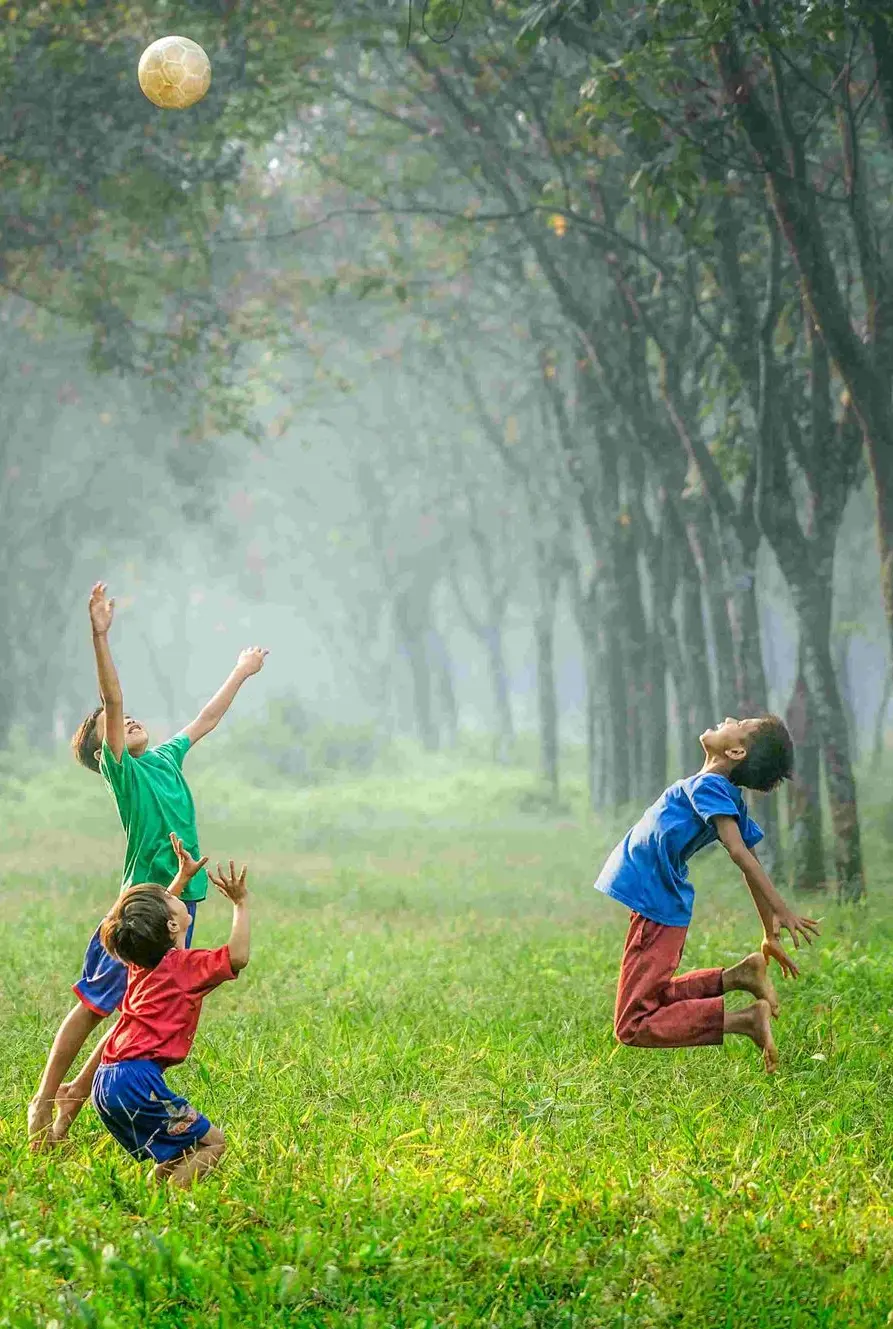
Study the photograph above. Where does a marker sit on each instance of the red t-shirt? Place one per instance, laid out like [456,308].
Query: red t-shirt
[160,1010]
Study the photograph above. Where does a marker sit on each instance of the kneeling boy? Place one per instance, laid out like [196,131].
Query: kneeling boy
[166,985]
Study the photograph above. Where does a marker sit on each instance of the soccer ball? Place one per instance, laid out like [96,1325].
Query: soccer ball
[174,72]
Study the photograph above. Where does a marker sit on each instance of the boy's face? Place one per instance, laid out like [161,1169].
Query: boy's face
[179,921]
[729,739]
[136,740]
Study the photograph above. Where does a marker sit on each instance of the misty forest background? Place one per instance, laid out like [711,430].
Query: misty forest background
[520,375]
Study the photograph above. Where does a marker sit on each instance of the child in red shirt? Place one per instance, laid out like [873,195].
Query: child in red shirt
[159,1015]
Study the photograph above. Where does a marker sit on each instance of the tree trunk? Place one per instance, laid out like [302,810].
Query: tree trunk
[614,630]
[657,735]
[446,690]
[880,455]
[841,658]
[417,658]
[668,649]
[548,567]
[487,628]
[635,653]
[505,727]
[805,853]
[547,701]
[585,604]
[814,615]
[880,720]
[754,700]
[708,564]
[411,620]
[699,710]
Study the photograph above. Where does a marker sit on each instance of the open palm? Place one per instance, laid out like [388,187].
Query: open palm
[102,610]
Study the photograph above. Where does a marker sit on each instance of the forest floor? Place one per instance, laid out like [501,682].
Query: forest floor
[429,1121]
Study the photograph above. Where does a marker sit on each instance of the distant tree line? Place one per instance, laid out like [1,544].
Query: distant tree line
[624,274]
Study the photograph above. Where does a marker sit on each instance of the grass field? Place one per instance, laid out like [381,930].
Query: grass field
[429,1121]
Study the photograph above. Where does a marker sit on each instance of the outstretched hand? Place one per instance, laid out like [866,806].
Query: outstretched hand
[102,611]
[188,865]
[798,927]
[230,885]
[251,660]
[773,950]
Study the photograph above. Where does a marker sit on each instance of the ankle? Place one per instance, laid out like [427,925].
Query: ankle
[741,977]
[730,978]
[744,1021]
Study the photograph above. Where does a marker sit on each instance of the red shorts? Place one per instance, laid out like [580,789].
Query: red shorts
[654,1008]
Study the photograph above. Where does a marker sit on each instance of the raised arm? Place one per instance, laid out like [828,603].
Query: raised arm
[235,890]
[102,611]
[188,866]
[250,662]
[774,913]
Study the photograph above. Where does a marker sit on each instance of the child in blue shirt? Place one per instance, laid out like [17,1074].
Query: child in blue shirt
[648,873]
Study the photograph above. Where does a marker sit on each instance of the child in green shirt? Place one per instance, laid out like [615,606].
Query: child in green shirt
[156,808]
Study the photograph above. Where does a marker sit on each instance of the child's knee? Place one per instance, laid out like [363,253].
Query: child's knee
[627,1028]
[213,1143]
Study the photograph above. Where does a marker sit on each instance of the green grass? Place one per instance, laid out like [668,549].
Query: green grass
[429,1121]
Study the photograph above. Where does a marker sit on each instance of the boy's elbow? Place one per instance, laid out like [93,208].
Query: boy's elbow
[238,962]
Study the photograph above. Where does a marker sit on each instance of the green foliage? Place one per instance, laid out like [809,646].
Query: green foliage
[108,205]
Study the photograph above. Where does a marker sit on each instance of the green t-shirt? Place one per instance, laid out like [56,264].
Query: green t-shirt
[153,799]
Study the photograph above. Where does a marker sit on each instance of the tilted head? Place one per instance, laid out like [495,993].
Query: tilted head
[88,739]
[146,922]
[757,754]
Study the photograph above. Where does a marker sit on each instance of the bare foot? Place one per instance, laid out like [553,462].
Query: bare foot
[756,1024]
[763,1037]
[752,975]
[40,1124]
[69,1101]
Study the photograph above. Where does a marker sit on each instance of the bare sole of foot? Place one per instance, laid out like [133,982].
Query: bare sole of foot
[68,1105]
[40,1125]
[762,1035]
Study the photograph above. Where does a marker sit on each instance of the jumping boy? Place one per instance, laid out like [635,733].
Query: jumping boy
[648,873]
[153,799]
[147,930]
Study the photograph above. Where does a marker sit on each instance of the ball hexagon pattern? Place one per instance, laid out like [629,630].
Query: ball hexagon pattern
[174,73]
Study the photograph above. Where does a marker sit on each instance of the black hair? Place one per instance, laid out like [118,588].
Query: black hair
[770,757]
[136,930]
[84,745]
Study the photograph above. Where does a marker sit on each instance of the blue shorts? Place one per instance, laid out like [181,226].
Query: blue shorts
[143,1114]
[103,979]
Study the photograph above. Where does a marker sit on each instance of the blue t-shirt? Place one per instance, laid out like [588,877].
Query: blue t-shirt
[647,871]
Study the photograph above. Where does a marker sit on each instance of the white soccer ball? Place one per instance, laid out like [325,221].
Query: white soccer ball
[174,73]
